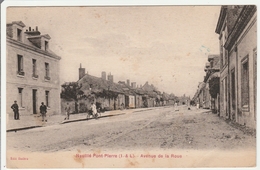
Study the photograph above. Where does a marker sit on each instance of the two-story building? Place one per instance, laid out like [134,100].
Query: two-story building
[237,29]
[32,71]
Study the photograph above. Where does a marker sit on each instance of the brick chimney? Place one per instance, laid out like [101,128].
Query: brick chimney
[81,72]
[33,32]
[103,75]
[128,82]
[133,85]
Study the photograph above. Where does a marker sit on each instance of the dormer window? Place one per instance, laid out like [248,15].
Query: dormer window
[46,45]
[19,34]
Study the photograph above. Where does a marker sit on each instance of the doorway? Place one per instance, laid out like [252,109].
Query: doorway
[34,98]
[233,94]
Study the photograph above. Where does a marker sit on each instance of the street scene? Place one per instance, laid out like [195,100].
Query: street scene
[147,130]
[131,86]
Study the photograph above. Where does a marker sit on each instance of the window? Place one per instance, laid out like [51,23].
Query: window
[225,104]
[226,96]
[255,81]
[47,71]
[20,65]
[46,45]
[34,67]
[224,52]
[226,56]
[47,98]
[245,84]
[19,34]
[20,98]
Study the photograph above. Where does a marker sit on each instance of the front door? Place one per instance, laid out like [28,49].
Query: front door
[34,98]
[233,94]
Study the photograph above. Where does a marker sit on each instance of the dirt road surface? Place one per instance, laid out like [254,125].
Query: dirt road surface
[160,137]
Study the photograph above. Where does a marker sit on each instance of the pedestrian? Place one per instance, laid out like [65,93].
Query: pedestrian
[43,111]
[122,106]
[176,107]
[93,109]
[67,109]
[15,108]
[198,106]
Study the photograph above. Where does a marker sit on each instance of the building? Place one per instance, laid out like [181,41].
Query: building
[184,100]
[199,95]
[152,93]
[32,73]
[237,29]
[109,95]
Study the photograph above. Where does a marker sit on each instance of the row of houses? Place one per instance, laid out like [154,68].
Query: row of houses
[236,100]
[207,94]
[109,95]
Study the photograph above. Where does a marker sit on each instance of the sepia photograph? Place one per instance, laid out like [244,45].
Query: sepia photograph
[130,86]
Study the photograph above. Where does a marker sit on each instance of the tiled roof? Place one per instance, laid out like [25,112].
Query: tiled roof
[98,84]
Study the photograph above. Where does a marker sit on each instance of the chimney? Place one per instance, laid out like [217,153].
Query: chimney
[81,72]
[133,85]
[110,78]
[128,82]
[29,28]
[103,75]
[36,28]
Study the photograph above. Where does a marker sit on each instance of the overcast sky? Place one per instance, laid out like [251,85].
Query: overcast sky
[166,46]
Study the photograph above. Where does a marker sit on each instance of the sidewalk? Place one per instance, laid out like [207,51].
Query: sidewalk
[35,121]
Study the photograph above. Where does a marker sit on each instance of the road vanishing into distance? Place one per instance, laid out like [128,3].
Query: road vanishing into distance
[158,129]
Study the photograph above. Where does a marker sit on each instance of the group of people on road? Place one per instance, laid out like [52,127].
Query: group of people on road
[43,111]
[93,109]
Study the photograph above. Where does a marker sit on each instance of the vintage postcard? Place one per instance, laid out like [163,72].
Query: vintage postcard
[138,86]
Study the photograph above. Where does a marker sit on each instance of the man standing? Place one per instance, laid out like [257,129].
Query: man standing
[43,111]
[15,108]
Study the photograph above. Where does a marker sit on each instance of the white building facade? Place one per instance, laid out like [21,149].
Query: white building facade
[32,71]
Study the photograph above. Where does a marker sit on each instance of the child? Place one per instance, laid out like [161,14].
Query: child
[67,109]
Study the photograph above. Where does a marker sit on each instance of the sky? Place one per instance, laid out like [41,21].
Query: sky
[167,46]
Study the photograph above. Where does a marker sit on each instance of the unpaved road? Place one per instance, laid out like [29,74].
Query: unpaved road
[157,129]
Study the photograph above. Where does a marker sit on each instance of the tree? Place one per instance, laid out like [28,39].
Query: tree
[214,87]
[71,91]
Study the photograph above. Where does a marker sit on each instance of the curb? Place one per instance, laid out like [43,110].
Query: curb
[23,128]
[141,110]
[85,119]
[78,120]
